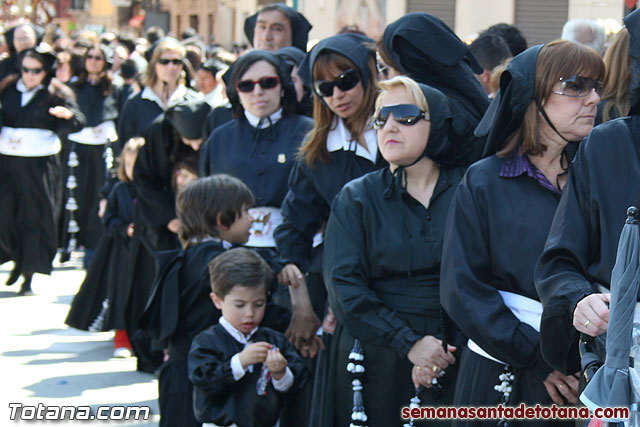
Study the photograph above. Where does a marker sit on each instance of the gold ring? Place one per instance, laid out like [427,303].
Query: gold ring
[435,368]
[586,323]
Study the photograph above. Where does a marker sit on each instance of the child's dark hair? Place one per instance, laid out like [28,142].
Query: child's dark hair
[201,202]
[238,267]
[132,146]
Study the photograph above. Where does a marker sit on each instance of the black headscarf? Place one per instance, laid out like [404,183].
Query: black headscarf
[517,90]
[284,74]
[425,49]
[632,22]
[292,54]
[187,118]
[351,46]
[8,35]
[300,27]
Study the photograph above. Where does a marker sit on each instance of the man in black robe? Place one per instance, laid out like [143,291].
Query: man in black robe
[276,26]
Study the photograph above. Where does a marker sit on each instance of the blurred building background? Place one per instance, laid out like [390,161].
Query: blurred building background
[222,20]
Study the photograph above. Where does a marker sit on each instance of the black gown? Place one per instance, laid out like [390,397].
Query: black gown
[495,232]
[30,186]
[580,251]
[91,172]
[218,398]
[178,310]
[108,271]
[382,272]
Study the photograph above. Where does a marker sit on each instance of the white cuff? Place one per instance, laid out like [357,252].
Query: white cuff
[284,383]
[236,367]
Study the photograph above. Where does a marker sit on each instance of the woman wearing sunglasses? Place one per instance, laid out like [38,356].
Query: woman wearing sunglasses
[382,260]
[89,154]
[164,85]
[34,109]
[259,144]
[499,220]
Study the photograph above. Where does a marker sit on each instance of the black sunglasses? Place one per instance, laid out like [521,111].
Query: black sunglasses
[405,114]
[579,87]
[265,83]
[97,58]
[170,61]
[345,81]
[31,70]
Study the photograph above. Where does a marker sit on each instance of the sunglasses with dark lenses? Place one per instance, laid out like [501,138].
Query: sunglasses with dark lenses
[405,114]
[579,87]
[31,70]
[99,58]
[265,83]
[169,61]
[345,81]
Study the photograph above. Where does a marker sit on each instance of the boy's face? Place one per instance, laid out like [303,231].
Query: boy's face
[243,307]
[238,231]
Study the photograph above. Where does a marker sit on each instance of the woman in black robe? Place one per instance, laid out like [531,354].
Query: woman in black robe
[34,109]
[424,48]
[382,263]
[101,101]
[499,220]
[18,38]
[574,272]
[172,138]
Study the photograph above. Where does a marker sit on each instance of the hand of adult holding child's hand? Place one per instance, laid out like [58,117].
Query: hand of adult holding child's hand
[276,363]
[254,353]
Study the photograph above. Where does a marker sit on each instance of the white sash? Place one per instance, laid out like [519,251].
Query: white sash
[28,142]
[527,310]
[97,135]
[265,221]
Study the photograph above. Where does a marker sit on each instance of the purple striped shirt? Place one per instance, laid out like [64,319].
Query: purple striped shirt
[518,164]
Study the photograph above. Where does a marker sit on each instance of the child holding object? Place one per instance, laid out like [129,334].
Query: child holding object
[242,371]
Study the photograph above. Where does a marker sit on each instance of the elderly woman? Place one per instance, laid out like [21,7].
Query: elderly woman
[382,260]
[500,217]
[35,109]
[164,85]
[575,267]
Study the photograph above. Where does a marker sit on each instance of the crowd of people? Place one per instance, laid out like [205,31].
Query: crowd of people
[291,237]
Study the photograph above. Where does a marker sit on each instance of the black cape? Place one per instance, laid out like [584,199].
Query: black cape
[107,274]
[218,398]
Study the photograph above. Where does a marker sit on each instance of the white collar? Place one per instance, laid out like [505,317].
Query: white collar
[22,88]
[339,138]
[225,244]
[177,95]
[261,123]
[236,334]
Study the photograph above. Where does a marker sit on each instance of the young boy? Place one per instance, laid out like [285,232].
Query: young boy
[240,370]
[213,215]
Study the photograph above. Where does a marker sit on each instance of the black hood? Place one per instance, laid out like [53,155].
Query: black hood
[425,49]
[300,27]
[292,54]
[188,118]
[8,35]
[632,22]
[352,46]
[517,90]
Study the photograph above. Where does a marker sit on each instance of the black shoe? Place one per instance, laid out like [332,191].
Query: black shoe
[64,257]
[13,277]
[25,288]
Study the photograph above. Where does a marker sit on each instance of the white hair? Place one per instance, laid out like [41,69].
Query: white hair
[586,32]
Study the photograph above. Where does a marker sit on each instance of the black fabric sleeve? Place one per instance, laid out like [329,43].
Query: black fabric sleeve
[209,371]
[347,275]
[303,210]
[152,176]
[114,225]
[468,296]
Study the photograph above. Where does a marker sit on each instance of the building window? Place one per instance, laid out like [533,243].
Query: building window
[210,27]
[194,22]
[178,25]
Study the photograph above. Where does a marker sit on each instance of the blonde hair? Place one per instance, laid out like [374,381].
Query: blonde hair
[150,77]
[131,147]
[412,88]
[314,148]
[617,77]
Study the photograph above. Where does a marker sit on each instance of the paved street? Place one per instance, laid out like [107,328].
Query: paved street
[43,361]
